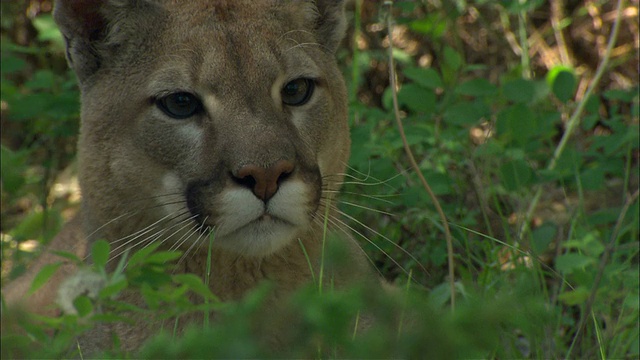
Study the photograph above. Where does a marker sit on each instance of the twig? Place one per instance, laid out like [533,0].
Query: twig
[574,121]
[557,14]
[412,160]
[524,44]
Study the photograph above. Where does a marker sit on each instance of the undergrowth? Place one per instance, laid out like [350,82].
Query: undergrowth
[558,278]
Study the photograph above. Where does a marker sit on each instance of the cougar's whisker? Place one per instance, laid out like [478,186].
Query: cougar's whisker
[396,263]
[142,231]
[379,197]
[187,221]
[339,225]
[305,44]
[366,208]
[151,238]
[385,238]
[178,244]
[197,241]
[185,254]
[152,197]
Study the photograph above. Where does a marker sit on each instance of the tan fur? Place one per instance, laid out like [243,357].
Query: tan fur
[138,166]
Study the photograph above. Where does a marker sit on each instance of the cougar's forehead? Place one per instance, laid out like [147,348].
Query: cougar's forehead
[237,41]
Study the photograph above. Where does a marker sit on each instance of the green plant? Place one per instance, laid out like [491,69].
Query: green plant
[40,109]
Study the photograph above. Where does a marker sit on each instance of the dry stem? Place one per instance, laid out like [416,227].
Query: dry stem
[414,164]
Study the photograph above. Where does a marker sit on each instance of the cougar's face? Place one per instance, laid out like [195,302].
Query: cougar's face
[228,121]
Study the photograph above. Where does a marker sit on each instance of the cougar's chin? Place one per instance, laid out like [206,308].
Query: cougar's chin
[244,224]
[260,237]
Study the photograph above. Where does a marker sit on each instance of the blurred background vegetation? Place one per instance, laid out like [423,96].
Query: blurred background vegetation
[486,91]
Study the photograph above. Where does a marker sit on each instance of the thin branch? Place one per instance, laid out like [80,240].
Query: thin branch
[525,61]
[414,164]
[574,121]
[557,14]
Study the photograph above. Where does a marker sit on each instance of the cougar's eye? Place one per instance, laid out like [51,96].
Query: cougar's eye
[297,92]
[180,105]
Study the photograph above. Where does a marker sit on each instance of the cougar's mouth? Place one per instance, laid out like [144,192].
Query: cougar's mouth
[262,221]
[243,223]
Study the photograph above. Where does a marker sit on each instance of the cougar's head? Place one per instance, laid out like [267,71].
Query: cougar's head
[223,115]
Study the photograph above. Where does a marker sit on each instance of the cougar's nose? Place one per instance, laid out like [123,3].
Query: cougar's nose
[263,181]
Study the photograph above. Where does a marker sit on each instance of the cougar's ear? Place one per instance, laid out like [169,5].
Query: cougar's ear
[82,25]
[331,23]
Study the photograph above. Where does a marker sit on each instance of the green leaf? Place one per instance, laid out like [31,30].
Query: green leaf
[113,289]
[570,262]
[47,30]
[83,305]
[163,257]
[568,162]
[621,95]
[151,297]
[405,6]
[476,87]
[31,106]
[451,65]
[429,78]
[387,98]
[42,79]
[11,64]
[430,25]
[519,6]
[69,256]
[412,197]
[593,178]
[141,255]
[575,297]
[466,113]
[195,284]
[440,294]
[519,91]
[592,105]
[516,124]
[65,109]
[542,237]
[590,244]
[151,276]
[562,81]
[402,56]
[33,226]
[12,168]
[417,98]
[100,253]
[603,216]
[43,276]
[452,58]
[440,183]
[516,174]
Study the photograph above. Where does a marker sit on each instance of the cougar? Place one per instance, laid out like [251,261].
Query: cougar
[200,117]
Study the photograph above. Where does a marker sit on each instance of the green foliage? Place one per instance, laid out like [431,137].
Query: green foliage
[91,297]
[483,138]
[40,109]
[494,141]
[325,324]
